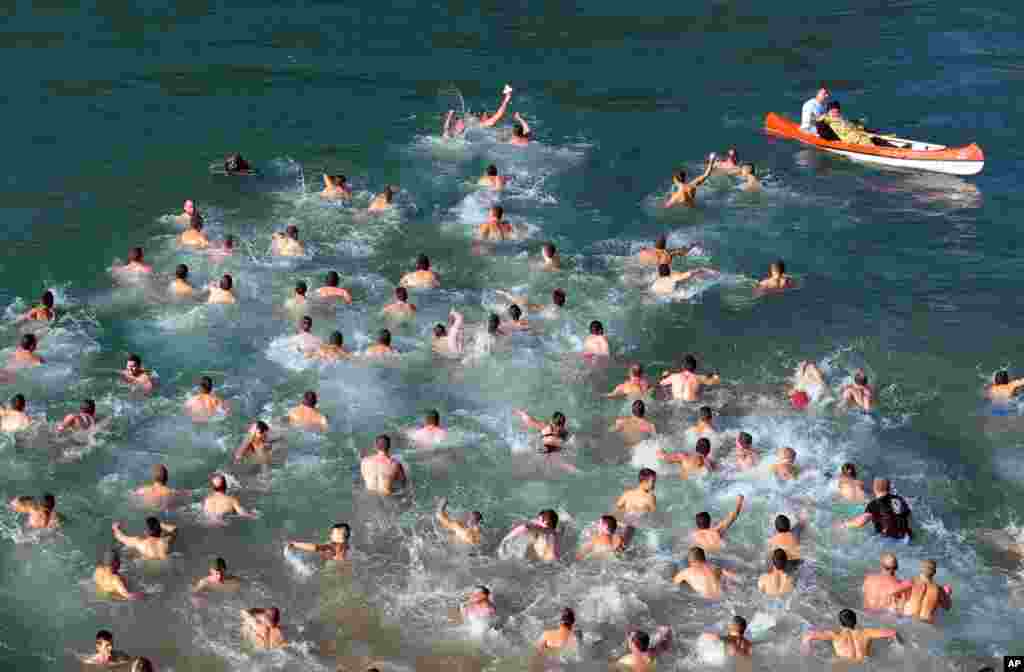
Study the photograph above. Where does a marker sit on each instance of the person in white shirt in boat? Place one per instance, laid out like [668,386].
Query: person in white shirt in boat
[812,110]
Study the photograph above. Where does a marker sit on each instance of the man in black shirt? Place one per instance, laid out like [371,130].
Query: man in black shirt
[890,513]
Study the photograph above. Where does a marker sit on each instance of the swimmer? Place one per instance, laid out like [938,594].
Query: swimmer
[710,537]
[636,428]
[640,499]
[222,292]
[179,286]
[156,545]
[746,456]
[552,434]
[304,340]
[516,321]
[257,442]
[332,290]
[849,642]
[787,537]
[193,236]
[422,277]
[331,351]
[479,606]
[105,655]
[305,415]
[1002,388]
[550,259]
[660,255]
[453,126]
[44,312]
[667,280]
[336,548]
[381,472]
[776,582]
[521,132]
[702,576]
[15,419]
[542,536]
[219,503]
[108,580]
[690,465]
[684,192]
[431,432]
[750,181]
[785,468]
[468,532]
[225,249]
[157,493]
[336,187]
[42,515]
[262,628]
[927,597]
[777,278]
[596,344]
[808,377]
[735,642]
[382,348]
[859,394]
[187,210]
[205,404]
[889,512]
[492,180]
[400,308]
[82,421]
[687,384]
[234,164]
[24,356]
[730,163]
[297,301]
[884,591]
[383,200]
[550,310]
[217,579]
[136,263]
[604,541]
[635,385]
[642,652]
[135,375]
[849,486]
[287,244]
[561,638]
[704,423]
[495,228]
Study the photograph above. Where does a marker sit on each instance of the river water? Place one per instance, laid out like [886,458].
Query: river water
[114,113]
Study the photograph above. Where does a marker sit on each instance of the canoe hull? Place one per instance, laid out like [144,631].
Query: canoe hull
[966,160]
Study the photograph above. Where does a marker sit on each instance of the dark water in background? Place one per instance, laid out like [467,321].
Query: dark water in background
[114,111]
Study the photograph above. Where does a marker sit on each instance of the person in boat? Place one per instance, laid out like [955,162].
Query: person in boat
[813,110]
[234,164]
[834,126]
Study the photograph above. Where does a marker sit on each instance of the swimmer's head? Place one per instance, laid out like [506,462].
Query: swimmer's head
[305,324]
[141,664]
[515,312]
[782,524]
[389,193]
[567,618]
[558,297]
[847,619]
[928,569]
[195,222]
[153,527]
[779,559]
[703,446]
[640,640]
[402,294]
[135,255]
[440,331]
[112,560]
[206,384]
[738,626]
[703,520]
[679,177]
[104,642]
[661,243]
[336,339]
[596,328]
[696,555]
[849,470]
[747,169]
[433,418]
[822,94]
[218,483]
[558,419]
[29,342]
[664,270]
[422,263]
[786,455]
[88,407]
[492,170]
[833,109]
[384,337]
[262,428]
[480,594]
[731,154]
[383,444]
[860,378]
[48,502]
[705,414]
[226,282]
[777,267]
[475,518]
[160,474]
[292,231]
[493,322]
[309,399]
[608,524]
[218,568]
[636,370]
[340,181]
[47,299]
[301,288]
[340,533]
[745,440]
[881,486]
[332,279]
[134,362]
[518,130]
[689,363]
[229,243]
[274,615]
[181,271]
[549,250]
[548,518]
[497,212]
[889,563]
[647,477]
[1002,378]
[638,409]
[189,207]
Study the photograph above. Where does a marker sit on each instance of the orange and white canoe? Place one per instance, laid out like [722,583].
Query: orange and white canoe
[909,154]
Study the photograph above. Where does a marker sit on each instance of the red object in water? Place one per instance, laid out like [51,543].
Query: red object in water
[800,400]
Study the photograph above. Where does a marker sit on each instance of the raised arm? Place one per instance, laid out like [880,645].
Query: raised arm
[487,122]
[528,420]
[526,127]
[456,332]
[731,518]
[617,392]
[670,457]
[696,182]
[127,540]
[447,125]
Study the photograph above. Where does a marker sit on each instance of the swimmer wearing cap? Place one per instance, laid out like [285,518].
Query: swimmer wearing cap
[217,579]
[640,499]
[24,356]
[108,580]
[422,277]
[219,503]
[468,532]
[204,404]
[563,637]
[383,201]
[710,537]
[180,286]
[776,582]
[262,628]
[336,548]
[41,515]
[735,641]
[777,279]
[155,545]
[685,193]
[287,244]
[306,415]
[15,419]
[702,576]
[400,309]
[635,385]
[382,474]
[193,236]
[605,541]
[637,427]
[596,343]
[849,642]
[43,312]
[135,375]
[687,384]
[698,463]
[333,290]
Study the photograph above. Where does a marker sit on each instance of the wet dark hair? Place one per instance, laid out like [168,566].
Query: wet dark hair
[492,170]
[689,363]
[641,640]
[705,413]
[558,297]
[389,193]
[703,520]
[336,339]
[332,279]
[160,474]
[596,328]
[558,419]
[515,312]
[833,105]
[401,293]
[847,618]
[292,231]
[696,554]
[638,408]
[275,615]
[549,517]
[28,342]
[745,439]
[661,242]
[433,417]
[226,282]
[343,527]
[475,518]
[703,446]
[301,288]
[680,175]
[779,558]
[111,558]
[262,427]
[781,265]
[309,398]
[229,242]
[646,474]
[219,564]
[1002,378]
[610,523]
[568,617]
[440,331]
[195,222]
[47,299]
[550,249]
[135,359]
[206,384]
[422,263]
[18,402]
[105,636]
[88,406]
[181,271]
[782,524]
[493,322]
[860,378]
[135,254]
[740,623]
[49,502]
[664,270]
[153,526]
[498,211]
[636,370]
[382,443]
[384,337]
[218,483]
[306,323]
[518,130]
[849,469]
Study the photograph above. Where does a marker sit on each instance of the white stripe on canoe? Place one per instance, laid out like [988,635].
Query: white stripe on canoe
[947,167]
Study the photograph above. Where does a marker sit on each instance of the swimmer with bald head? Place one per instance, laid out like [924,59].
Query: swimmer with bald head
[108,580]
[306,416]
[42,515]
[382,474]
[333,290]
[422,277]
[219,503]
[205,404]
[336,548]
[468,532]
[155,545]
[287,244]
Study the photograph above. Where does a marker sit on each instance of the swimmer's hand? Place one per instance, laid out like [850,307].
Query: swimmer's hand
[507,90]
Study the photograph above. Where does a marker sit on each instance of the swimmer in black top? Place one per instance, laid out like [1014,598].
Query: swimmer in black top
[890,513]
